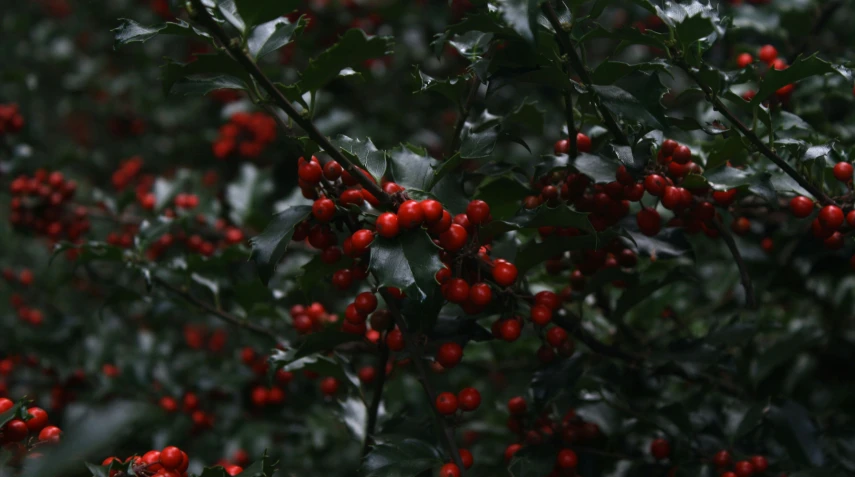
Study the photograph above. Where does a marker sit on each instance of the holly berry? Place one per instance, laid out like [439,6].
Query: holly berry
[722,458]
[660,449]
[541,315]
[517,405]
[323,209]
[504,273]
[410,214]
[767,54]
[15,430]
[556,336]
[387,225]
[449,354]
[478,212]
[831,217]
[342,279]
[480,294]
[567,459]
[843,171]
[682,155]
[801,206]
[649,222]
[38,419]
[510,330]
[456,290]
[365,302]
[511,450]
[395,340]
[310,172]
[469,399]
[170,457]
[446,403]
[332,171]
[432,210]
[361,239]
[329,386]
[454,238]
[583,143]
[743,468]
[760,463]
[466,458]
[655,184]
[449,470]
[744,60]
[50,434]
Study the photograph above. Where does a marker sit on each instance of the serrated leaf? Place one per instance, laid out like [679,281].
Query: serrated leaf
[608,72]
[205,68]
[600,169]
[323,365]
[255,12]
[452,88]
[521,15]
[129,31]
[624,104]
[409,262]
[797,431]
[800,69]
[269,247]
[691,22]
[350,51]
[415,170]
[269,37]
[405,458]
[366,153]
[669,243]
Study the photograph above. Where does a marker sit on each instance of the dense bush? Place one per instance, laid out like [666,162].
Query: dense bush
[415,238]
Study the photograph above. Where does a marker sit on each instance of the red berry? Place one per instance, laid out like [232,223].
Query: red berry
[15,430]
[329,386]
[649,222]
[432,210]
[744,60]
[454,238]
[682,155]
[466,458]
[562,146]
[510,329]
[387,225]
[556,336]
[843,171]
[365,302]
[760,463]
[541,315]
[170,457]
[449,354]
[233,469]
[410,214]
[469,399]
[504,273]
[50,434]
[511,450]
[342,279]
[361,239]
[517,405]
[743,468]
[567,459]
[801,206]
[395,340]
[655,184]
[367,374]
[38,419]
[583,143]
[456,290]
[478,212]
[767,55]
[332,171]
[724,197]
[831,217]
[323,209]
[310,172]
[721,458]
[547,299]
[449,470]
[446,403]
[480,294]
[668,147]
[660,449]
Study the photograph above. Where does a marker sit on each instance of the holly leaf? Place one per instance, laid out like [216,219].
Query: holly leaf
[624,104]
[255,12]
[353,48]
[269,247]
[797,431]
[365,153]
[205,69]
[408,262]
[800,69]
[323,341]
[129,31]
[600,169]
[452,88]
[404,458]
[534,252]
[269,37]
[521,16]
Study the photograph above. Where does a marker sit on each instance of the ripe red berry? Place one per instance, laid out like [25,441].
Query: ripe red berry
[323,209]
[310,172]
[767,54]
[395,340]
[562,146]
[387,225]
[730,474]
[367,374]
[655,184]
[511,450]
[329,386]
[843,171]
[682,155]
[567,459]
[504,273]
[541,315]
[342,279]
[480,294]
[668,147]
[469,399]
[744,60]
[446,403]
[456,290]
[361,239]
[38,419]
[365,302]
[583,143]
[510,329]
[466,458]
[332,171]
[15,430]
[556,336]
[432,210]
[410,214]
[517,405]
[50,434]
[170,457]
[449,354]
[478,212]
[449,470]
[831,217]
[454,238]
[660,449]
[760,463]
[649,222]
[743,468]
[721,458]
[801,206]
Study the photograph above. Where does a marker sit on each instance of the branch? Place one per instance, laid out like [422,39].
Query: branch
[416,356]
[464,113]
[751,136]
[223,315]
[750,300]
[376,397]
[576,63]
[233,46]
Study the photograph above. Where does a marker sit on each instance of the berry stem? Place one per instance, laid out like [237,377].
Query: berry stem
[201,14]
[751,136]
[576,63]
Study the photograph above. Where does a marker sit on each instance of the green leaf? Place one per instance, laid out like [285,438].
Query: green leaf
[527,115]
[478,143]
[324,341]
[255,12]
[627,36]
[608,72]
[635,295]
[600,169]
[521,15]
[246,193]
[365,152]
[800,69]
[404,458]
[444,168]
[669,243]
[269,37]
[353,48]
[261,468]
[622,103]
[726,149]
[546,383]
[452,88]
[783,351]
[408,262]
[534,253]
[269,247]
[323,365]
[216,67]
[130,31]
[692,22]
[416,170]
[543,216]
[316,270]
[18,411]
[752,419]
[797,431]
[503,193]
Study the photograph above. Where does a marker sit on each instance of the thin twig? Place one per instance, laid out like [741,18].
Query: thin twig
[747,284]
[223,315]
[376,397]
[577,65]
[201,14]
[751,136]
[464,113]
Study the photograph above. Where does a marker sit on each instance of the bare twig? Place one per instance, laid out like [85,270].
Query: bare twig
[577,65]
[223,315]
[750,300]
[201,14]
[751,136]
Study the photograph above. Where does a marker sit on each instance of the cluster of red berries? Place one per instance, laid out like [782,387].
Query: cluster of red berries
[246,134]
[265,395]
[11,120]
[744,468]
[831,223]
[26,431]
[24,278]
[189,405]
[467,400]
[240,459]
[168,462]
[314,317]
[128,173]
[221,236]
[39,203]
[767,54]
